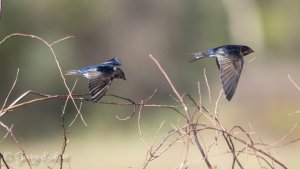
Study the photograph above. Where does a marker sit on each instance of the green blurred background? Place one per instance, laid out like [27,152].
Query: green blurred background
[131,30]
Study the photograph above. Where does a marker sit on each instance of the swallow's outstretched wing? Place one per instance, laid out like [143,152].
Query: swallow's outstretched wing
[98,86]
[231,68]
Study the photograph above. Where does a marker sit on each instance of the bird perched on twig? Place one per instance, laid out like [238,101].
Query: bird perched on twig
[100,76]
[230,62]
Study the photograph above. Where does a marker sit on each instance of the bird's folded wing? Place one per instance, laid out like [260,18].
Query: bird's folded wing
[231,68]
[98,87]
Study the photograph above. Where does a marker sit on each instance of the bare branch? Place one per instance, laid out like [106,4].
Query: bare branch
[7,133]
[188,117]
[293,82]
[285,136]
[65,130]
[293,113]
[65,38]
[11,89]
[17,142]
[5,163]
[199,93]
[49,45]
[217,103]
[207,85]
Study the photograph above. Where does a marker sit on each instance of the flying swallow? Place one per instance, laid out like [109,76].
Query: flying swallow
[230,63]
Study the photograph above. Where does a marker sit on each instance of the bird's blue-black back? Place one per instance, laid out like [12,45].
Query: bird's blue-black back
[101,68]
[107,67]
[228,49]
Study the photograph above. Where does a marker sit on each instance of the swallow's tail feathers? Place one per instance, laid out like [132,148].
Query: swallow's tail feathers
[198,56]
[72,72]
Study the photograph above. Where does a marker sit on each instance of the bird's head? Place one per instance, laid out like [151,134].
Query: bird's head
[246,50]
[119,74]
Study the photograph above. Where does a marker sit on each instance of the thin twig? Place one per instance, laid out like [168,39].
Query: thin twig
[217,103]
[65,38]
[5,163]
[65,130]
[152,145]
[188,117]
[232,148]
[293,113]
[252,146]
[186,148]
[17,142]
[7,133]
[293,82]
[11,89]
[49,45]
[207,85]
[158,151]
[199,93]
[285,136]
[139,127]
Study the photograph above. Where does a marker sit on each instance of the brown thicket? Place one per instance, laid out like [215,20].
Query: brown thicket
[239,142]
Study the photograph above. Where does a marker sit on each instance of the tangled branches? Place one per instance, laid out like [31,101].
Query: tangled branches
[237,140]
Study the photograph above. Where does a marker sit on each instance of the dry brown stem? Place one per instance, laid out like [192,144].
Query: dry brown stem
[187,114]
[2,159]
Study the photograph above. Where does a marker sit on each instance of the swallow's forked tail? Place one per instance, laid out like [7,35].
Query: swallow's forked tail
[72,72]
[197,56]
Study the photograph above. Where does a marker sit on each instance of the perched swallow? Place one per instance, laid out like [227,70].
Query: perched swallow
[230,62]
[100,76]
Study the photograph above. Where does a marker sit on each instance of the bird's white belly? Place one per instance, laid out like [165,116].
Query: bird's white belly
[91,75]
